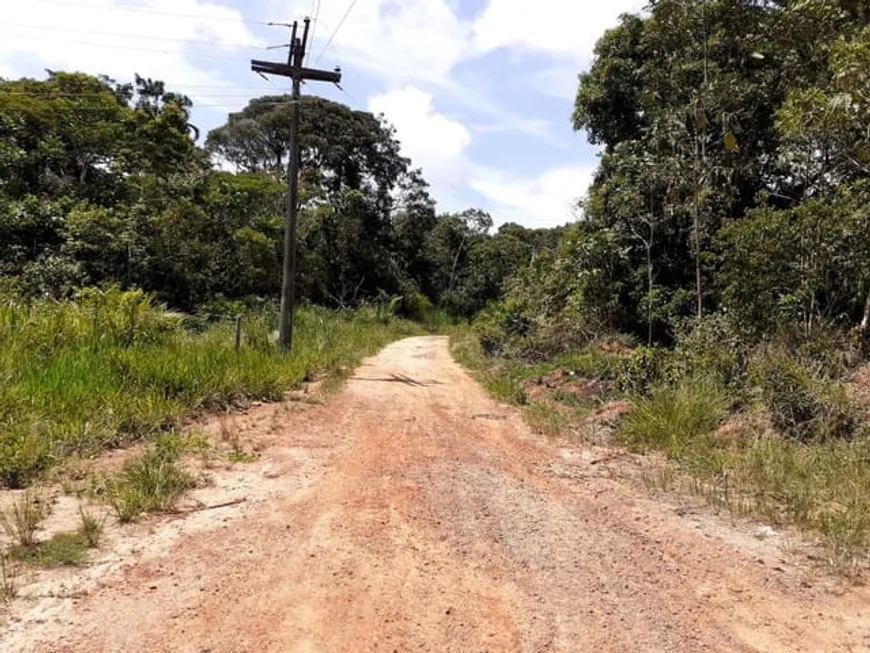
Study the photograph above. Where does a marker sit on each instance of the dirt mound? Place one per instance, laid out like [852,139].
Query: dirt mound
[567,382]
[600,425]
[615,347]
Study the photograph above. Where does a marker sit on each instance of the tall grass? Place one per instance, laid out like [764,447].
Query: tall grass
[110,368]
[675,418]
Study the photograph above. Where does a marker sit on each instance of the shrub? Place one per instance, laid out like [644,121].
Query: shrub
[802,404]
[645,368]
[714,345]
[672,418]
[500,323]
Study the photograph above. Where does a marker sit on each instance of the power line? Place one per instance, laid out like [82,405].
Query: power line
[144,10]
[115,108]
[340,23]
[316,18]
[235,46]
[51,96]
[110,46]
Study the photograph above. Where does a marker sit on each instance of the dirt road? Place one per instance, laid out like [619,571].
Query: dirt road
[412,513]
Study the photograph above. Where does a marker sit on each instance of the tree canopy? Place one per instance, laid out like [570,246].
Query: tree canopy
[733,174]
[102,182]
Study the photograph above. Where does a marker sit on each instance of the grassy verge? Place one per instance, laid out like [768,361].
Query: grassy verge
[111,368]
[508,381]
[822,488]
[750,461]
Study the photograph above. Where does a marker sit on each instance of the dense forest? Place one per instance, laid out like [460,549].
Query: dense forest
[735,145]
[103,183]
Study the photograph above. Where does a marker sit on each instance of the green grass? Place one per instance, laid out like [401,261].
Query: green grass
[822,488]
[501,380]
[111,368]
[152,483]
[675,418]
[64,549]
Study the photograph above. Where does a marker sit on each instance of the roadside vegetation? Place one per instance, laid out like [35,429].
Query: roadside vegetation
[110,368]
[726,239]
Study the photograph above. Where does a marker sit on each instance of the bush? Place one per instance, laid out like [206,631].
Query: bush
[644,368]
[502,323]
[672,418]
[715,346]
[802,404]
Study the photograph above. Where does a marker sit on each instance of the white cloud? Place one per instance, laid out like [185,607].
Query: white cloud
[558,81]
[179,41]
[398,41]
[568,29]
[547,200]
[430,139]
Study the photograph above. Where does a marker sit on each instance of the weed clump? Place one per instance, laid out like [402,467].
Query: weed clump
[675,418]
[152,483]
[9,572]
[91,527]
[23,518]
[803,405]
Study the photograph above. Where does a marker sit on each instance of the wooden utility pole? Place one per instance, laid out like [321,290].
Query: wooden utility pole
[294,70]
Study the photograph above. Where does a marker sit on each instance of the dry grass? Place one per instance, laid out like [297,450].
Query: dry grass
[91,526]
[10,570]
[22,519]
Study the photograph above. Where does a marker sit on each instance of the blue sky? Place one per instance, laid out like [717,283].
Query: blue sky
[480,91]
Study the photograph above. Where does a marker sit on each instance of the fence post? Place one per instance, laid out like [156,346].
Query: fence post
[238,332]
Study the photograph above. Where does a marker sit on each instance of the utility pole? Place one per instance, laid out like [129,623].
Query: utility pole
[293,69]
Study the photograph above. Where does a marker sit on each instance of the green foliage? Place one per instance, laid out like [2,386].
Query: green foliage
[103,183]
[152,483]
[64,549]
[801,266]
[112,368]
[802,404]
[715,346]
[675,418]
[644,369]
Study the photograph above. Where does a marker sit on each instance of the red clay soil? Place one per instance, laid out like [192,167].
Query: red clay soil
[412,513]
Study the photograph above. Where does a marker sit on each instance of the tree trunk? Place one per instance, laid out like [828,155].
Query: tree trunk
[697,239]
[649,300]
[865,323]
[865,329]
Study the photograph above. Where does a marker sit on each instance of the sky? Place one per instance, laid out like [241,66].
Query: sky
[480,91]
